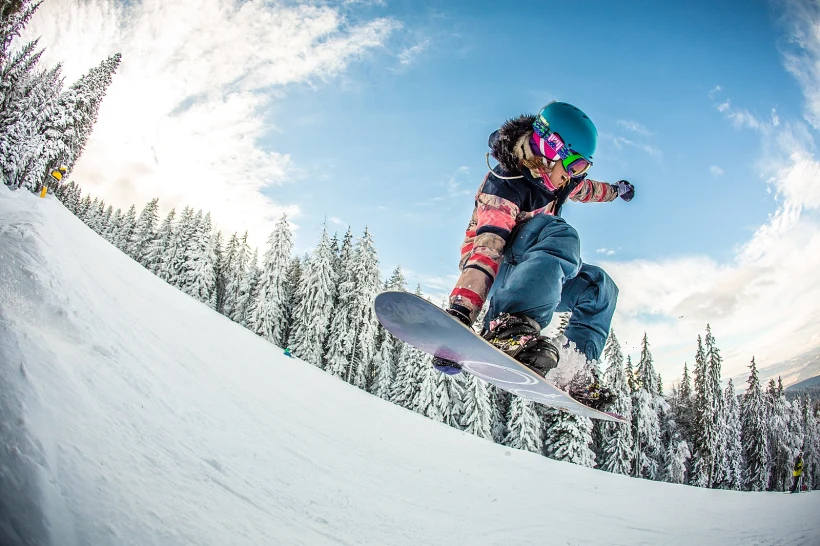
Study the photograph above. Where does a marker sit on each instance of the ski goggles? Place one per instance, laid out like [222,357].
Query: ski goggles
[552,146]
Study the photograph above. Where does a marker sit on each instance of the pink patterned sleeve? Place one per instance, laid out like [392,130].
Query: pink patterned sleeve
[591,191]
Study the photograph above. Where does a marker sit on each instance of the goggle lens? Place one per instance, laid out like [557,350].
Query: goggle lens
[576,165]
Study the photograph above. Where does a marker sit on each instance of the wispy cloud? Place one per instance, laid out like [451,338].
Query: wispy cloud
[741,117]
[606,251]
[716,171]
[336,220]
[802,53]
[184,117]
[409,55]
[635,127]
[620,142]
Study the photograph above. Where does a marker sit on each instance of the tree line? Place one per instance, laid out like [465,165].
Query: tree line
[320,305]
[42,125]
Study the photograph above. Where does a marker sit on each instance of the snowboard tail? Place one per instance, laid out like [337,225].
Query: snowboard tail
[429,328]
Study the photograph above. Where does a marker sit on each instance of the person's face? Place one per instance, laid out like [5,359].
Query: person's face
[559,176]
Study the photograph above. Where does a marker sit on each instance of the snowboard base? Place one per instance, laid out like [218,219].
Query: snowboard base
[429,328]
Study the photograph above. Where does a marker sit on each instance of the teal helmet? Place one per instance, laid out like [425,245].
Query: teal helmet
[571,124]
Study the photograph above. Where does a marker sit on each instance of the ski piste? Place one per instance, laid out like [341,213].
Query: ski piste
[429,328]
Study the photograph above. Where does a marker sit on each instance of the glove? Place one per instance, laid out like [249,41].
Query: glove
[626,191]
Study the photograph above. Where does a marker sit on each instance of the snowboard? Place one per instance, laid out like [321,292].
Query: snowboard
[429,328]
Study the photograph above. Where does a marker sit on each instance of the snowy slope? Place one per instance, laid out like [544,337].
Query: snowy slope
[132,414]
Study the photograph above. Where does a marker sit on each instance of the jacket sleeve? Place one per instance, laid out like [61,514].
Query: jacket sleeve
[493,219]
[592,191]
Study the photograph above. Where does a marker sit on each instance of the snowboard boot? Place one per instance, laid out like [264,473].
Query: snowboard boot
[593,395]
[448,366]
[520,337]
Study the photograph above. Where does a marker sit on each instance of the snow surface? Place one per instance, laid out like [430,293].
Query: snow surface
[132,414]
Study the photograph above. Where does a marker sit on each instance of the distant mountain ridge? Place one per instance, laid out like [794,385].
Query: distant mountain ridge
[811,382]
[792,371]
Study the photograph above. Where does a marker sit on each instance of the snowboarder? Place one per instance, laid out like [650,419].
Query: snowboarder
[519,253]
[797,472]
[287,352]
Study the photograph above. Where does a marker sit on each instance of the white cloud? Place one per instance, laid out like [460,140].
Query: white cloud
[606,251]
[775,118]
[336,220]
[742,118]
[716,171]
[635,127]
[409,55]
[803,62]
[185,114]
[620,142]
[715,90]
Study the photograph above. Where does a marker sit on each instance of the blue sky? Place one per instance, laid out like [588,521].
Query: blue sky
[378,113]
[422,122]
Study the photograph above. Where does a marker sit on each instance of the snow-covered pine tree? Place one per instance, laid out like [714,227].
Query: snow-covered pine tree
[342,332]
[568,438]
[478,410]
[647,433]
[365,272]
[267,318]
[677,456]
[754,434]
[152,259]
[630,375]
[201,282]
[450,397]
[645,371]
[68,196]
[646,419]
[144,232]
[682,408]
[94,215]
[227,279]
[384,363]
[74,200]
[704,436]
[233,274]
[13,18]
[127,228]
[219,266]
[113,226]
[71,122]
[293,279]
[524,430]
[16,123]
[729,471]
[176,263]
[796,432]
[409,371]
[501,401]
[25,105]
[426,402]
[247,291]
[779,442]
[811,445]
[315,306]
[105,222]
[83,207]
[713,361]
[384,366]
[91,89]
[617,445]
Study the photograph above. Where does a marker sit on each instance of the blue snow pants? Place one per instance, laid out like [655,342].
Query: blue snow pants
[542,273]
